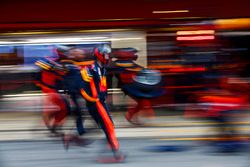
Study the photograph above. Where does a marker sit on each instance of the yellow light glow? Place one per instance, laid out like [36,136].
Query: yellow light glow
[170,11]
[232,23]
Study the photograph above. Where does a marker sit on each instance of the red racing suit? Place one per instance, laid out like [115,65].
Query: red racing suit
[49,82]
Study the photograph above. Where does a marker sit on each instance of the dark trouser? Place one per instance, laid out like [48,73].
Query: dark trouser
[98,110]
[78,114]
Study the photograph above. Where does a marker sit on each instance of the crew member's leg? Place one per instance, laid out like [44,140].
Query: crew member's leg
[78,114]
[100,114]
[54,119]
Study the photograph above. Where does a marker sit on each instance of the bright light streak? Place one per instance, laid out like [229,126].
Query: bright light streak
[170,11]
[24,95]
[52,40]
[198,32]
[187,69]
[47,41]
[193,38]
[124,39]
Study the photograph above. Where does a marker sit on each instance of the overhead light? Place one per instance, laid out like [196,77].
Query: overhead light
[197,32]
[124,39]
[24,95]
[65,40]
[30,33]
[194,38]
[187,69]
[170,11]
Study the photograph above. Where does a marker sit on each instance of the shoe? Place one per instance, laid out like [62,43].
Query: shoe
[76,140]
[133,121]
[82,141]
[117,158]
[120,157]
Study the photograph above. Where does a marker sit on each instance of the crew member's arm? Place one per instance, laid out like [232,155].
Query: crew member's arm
[51,65]
[89,83]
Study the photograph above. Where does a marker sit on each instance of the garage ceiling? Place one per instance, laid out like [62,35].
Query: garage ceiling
[47,14]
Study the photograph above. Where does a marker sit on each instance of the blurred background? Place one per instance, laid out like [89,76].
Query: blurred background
[200,49]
